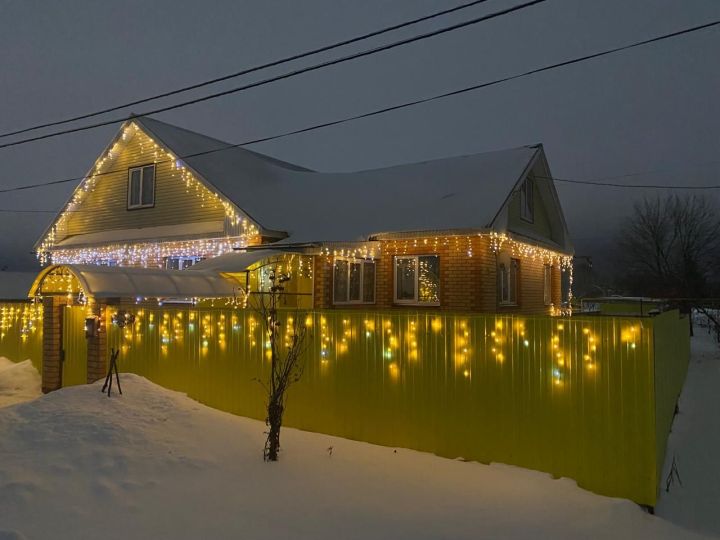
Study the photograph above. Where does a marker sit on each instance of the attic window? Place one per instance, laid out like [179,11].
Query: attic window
[141,187]
[527,209]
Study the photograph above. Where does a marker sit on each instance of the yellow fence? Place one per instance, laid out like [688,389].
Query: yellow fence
[671,347]
[74,346]
[574,397]
[21,332]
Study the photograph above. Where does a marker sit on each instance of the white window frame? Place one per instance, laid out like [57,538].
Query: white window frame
[362,263]
[142,204]
[527,200]
[513,285]
[414,301]
[547,284]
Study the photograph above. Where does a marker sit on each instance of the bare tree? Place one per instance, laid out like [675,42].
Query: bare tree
[286,366]
[667,247]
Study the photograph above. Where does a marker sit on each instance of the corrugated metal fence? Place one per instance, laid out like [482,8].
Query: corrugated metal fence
[21,332]
[74,346]
[589,398]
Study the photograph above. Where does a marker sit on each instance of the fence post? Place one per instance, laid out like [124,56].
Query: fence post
[52,343]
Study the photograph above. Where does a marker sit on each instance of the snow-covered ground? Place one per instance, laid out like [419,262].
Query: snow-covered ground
[154,464]
[695,444]
[18,382]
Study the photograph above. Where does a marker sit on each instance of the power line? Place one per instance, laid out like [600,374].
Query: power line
[593,182]
[289,74]
[13,211]
[631,186]
[249,70]
[417,102]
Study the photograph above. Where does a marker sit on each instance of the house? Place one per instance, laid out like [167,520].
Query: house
[482,233]
[426,291]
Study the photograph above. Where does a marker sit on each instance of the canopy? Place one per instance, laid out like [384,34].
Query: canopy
[130,282]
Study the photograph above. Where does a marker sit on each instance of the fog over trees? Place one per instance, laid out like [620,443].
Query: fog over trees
[669,247]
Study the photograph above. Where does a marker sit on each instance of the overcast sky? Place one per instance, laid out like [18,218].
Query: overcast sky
[655,108]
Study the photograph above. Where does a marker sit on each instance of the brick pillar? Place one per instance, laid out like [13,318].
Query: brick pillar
[322,282]
[52,343]
[97,360]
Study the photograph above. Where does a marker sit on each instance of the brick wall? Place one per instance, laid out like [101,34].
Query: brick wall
[468,277]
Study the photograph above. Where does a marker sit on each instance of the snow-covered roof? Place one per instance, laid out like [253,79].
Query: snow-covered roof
[451,193]
[131,282]
[14,285]
[231,159]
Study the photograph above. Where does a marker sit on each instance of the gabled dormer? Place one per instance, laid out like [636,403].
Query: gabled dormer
[532,209]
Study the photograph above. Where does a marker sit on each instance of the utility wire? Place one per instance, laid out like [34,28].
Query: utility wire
[592,182]
[420,101]
[290,74]
[252,69]
[631,186]
[9,211]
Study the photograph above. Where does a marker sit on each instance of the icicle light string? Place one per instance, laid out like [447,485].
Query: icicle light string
[141,253]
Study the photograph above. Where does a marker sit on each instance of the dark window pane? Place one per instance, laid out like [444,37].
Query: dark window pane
[547,279]
[405,279]
[503,283]
[355,269]
[526,199]
[429,279]
[513,284]
[369,282]
[340,281]
[148,185]
[135,187]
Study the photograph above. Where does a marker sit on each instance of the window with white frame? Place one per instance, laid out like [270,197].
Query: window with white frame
[141,187]
[547,284]
[353,281]
[417,279]
[508,272]
[180,263]
[527,209]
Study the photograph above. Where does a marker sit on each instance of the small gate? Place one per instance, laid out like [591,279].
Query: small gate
[74,346]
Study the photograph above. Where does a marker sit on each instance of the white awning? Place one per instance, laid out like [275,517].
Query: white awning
[127,282]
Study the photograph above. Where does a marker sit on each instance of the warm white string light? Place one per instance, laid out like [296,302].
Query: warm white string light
[242,232]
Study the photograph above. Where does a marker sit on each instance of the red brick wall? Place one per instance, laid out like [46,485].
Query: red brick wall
[467,283]
[52,343]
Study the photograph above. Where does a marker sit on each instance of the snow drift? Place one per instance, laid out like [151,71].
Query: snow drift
[154,464]
[18,382]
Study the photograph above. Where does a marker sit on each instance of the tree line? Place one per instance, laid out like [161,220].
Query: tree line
[668,247]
